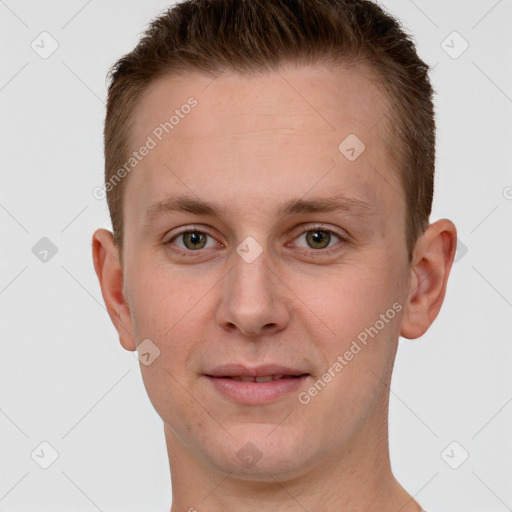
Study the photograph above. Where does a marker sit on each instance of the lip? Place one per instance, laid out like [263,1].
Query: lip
[254,393]
[238,370]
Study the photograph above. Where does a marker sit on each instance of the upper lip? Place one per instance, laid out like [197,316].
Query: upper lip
[238,370]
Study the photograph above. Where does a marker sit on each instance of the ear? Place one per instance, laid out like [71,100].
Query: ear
[431,265]
[105,254]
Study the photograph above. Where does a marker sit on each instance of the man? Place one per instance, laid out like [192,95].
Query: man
[269,174]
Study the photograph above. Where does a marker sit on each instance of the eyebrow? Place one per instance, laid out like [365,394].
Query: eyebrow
[188,204]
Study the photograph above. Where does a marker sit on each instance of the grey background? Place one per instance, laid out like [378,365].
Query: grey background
[65,379]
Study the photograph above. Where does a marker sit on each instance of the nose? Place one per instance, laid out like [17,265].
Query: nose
[253,301]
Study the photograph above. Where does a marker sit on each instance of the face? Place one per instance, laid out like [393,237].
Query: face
[269,275]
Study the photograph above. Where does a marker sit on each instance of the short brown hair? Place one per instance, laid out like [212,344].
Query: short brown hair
[256,35]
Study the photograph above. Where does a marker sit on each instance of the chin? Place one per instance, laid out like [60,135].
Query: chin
[262,453]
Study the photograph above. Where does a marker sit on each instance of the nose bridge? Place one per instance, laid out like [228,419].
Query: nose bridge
[250,300]
[251,280]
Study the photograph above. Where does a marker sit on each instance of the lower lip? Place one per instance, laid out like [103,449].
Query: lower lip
[256,392]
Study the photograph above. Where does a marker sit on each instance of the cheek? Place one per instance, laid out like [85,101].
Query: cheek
[361,307]
[356,295]
[169,309]
[160,299]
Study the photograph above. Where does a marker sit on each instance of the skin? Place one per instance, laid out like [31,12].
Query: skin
[251,144]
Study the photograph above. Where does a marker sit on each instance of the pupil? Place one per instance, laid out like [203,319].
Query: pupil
[317,237]
[194,238]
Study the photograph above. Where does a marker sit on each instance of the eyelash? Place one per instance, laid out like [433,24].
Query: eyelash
[324,252]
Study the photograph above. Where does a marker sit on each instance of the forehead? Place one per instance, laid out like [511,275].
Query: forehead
[295,97]
[247,138]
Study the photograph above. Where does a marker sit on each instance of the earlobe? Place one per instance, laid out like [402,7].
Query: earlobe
[432,262]
[111,278]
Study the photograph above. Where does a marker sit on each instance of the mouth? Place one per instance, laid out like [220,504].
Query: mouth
[255,386]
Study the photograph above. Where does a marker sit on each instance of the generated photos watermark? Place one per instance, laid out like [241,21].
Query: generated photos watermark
[152,140]
[305,397]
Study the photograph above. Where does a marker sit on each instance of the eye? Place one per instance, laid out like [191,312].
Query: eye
[318,239]
[192,240]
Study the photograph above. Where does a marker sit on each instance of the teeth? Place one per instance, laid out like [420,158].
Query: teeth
[264,379]
[267,378]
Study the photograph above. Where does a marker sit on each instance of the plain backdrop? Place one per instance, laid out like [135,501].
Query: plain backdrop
[66,382]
